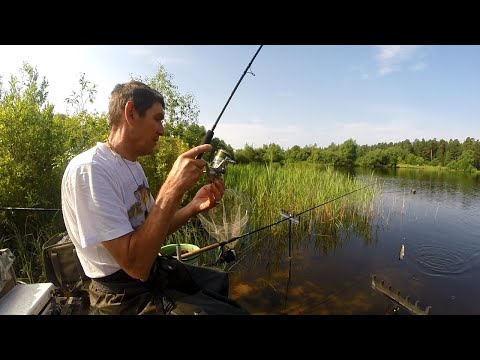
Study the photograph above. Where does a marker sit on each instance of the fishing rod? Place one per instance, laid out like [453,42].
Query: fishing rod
[28,209]
[223,243]
[222,158]
[209,135]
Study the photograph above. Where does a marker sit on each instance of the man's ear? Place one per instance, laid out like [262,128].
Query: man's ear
[129,111]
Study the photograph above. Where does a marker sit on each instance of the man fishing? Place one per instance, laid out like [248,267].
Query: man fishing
[118,227]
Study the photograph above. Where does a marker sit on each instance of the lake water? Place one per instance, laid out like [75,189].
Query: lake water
[434,215]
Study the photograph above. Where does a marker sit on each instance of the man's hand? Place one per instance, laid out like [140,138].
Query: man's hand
[207,197]
[187,170]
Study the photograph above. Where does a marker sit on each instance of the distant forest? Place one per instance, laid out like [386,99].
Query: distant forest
[451,154]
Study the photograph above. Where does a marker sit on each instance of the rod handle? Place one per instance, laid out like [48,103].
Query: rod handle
[207,139]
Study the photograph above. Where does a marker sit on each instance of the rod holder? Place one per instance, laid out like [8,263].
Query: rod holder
[288,215]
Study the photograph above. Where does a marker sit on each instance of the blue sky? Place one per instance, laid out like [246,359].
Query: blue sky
[300,94]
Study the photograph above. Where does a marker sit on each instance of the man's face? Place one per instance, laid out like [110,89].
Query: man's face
[149,128]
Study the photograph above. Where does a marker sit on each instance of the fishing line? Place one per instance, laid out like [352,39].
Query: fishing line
[298,214]
[29,209]
[223,243]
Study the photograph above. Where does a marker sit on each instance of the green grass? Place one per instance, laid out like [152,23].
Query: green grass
[24,235]
[296,188]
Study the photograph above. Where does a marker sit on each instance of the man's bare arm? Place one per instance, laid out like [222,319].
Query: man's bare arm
[135,252]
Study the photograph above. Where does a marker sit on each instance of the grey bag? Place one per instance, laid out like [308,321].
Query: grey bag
[62,266]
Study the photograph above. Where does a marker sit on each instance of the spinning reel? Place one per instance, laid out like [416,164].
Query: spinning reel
[219,164]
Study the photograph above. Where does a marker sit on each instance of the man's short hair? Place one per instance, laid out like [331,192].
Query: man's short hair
[142,95]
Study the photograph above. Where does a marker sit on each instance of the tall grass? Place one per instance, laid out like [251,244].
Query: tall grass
[298,187]
[24,234]
[295,188]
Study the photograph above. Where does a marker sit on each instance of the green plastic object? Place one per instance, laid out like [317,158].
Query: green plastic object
[171,250]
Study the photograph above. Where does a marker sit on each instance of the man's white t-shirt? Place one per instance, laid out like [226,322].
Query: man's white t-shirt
[103,197]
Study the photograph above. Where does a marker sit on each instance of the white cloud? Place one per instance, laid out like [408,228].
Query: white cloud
[385,69]
[392,58]
[155,55]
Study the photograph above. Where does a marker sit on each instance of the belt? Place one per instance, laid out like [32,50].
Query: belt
[119,275]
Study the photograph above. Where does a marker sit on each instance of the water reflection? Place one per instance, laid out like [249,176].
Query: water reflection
[331,265]
[453,188]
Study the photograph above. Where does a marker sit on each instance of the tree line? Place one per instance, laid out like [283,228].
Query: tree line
[451,154]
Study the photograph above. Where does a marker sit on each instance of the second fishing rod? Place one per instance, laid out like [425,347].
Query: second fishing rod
[290,217]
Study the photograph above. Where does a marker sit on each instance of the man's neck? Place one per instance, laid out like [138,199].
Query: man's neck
[116,144]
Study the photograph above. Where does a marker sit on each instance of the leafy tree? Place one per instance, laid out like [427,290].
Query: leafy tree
[464,162]
[273,153]
[79,99]
[442,151]
[394,155]
[347,153]
[407,147]
[455,148]
[29,141]
[81,130]
[476,152]
[181,109]
[374,158]
[296,154]
[248,154]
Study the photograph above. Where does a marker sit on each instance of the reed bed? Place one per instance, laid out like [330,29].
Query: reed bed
[295,188]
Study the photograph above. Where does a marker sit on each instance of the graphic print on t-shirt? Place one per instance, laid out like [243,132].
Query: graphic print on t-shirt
[139,210]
